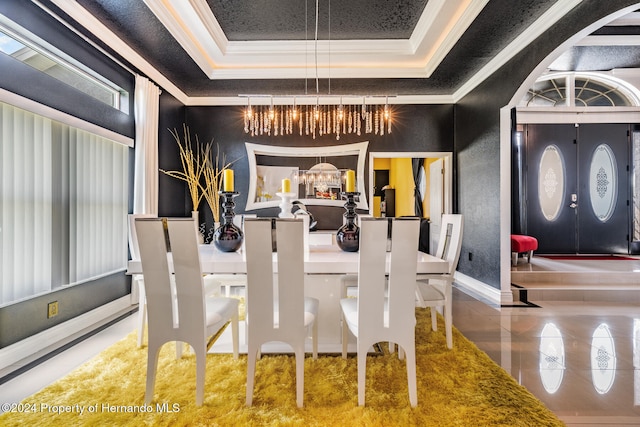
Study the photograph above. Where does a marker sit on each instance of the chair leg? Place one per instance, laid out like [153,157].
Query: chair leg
[142,312]
[434,319]
[345,337]
[235,335]
[142,320]
[300,376]
[362,374]
[201,360]
[252,353]
[529,255]
[152,366]
[401,352]
[448,320]
[314,340]
[411,374]
[514,258]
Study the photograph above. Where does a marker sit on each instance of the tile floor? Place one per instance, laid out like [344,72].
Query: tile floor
[582,359]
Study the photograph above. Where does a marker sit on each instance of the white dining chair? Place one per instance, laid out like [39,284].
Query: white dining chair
[379,314]
[435,290]
[137,280]
[277,309]
[179,312]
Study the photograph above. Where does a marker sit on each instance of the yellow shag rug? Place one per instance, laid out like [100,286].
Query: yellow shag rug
[459,387]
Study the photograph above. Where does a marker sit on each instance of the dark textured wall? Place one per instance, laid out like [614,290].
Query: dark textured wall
[173,197]
[417,128]
[24,319]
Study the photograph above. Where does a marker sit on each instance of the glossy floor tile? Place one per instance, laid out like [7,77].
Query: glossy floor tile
[582,359]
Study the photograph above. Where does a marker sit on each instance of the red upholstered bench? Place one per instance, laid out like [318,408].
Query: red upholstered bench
[520,244]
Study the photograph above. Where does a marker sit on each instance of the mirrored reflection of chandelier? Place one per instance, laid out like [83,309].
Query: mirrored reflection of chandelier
[323,181]
[313,115]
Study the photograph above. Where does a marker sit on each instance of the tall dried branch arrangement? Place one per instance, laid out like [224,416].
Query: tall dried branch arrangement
[193,166]
[213,173]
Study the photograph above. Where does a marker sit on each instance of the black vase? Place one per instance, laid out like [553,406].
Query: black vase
[348,236]
[228,237]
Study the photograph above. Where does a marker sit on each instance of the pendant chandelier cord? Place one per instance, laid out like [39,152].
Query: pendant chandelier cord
[329,38]
[317,118]
[306,45]
[316,48]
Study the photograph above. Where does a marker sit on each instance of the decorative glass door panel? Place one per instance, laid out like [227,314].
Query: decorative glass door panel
[603,182]
[551,179]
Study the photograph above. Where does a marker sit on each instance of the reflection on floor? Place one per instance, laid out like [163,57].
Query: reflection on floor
[581,358]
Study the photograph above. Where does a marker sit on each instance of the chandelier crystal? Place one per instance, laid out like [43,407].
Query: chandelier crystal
[316,120]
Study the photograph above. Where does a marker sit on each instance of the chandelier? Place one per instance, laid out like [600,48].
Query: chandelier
[311,120]
[311,117]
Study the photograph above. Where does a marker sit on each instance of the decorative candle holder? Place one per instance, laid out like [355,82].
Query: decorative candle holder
[228,237]
[348,236]
[285,204]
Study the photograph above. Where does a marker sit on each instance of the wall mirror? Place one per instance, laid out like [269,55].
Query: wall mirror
[269,165]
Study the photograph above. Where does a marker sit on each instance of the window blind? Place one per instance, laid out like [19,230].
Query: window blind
[63,206]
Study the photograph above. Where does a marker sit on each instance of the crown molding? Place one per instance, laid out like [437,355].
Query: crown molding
[211,101]
[612,40]
[197,30]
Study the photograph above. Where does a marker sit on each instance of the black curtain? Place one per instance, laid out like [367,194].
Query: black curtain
[416,165]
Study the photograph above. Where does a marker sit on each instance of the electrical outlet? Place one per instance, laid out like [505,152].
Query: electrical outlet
[52,309]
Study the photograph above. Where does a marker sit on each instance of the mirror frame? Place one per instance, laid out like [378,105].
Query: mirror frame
[357,149]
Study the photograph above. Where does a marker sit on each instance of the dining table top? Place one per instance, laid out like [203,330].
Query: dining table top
[319,259]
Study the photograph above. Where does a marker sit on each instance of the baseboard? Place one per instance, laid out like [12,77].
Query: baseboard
[493,295]
[15,356]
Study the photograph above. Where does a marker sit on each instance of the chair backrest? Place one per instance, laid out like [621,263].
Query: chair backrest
[175,313]
[133,237]
[372,293]
[371,274]
[275,308]
[450,240]
[403,268]
[305,235]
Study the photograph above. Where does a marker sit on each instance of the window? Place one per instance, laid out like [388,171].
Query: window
[24,46]
[580,90]
[63,205]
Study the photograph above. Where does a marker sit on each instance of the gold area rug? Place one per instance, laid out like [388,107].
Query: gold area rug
[459,387]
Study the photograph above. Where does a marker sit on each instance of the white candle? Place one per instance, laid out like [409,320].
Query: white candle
[228,180]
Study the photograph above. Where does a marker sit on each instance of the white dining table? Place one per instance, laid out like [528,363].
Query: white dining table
[324,265]
[320,259]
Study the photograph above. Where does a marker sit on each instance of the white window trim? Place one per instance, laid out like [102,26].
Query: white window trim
[53,114]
